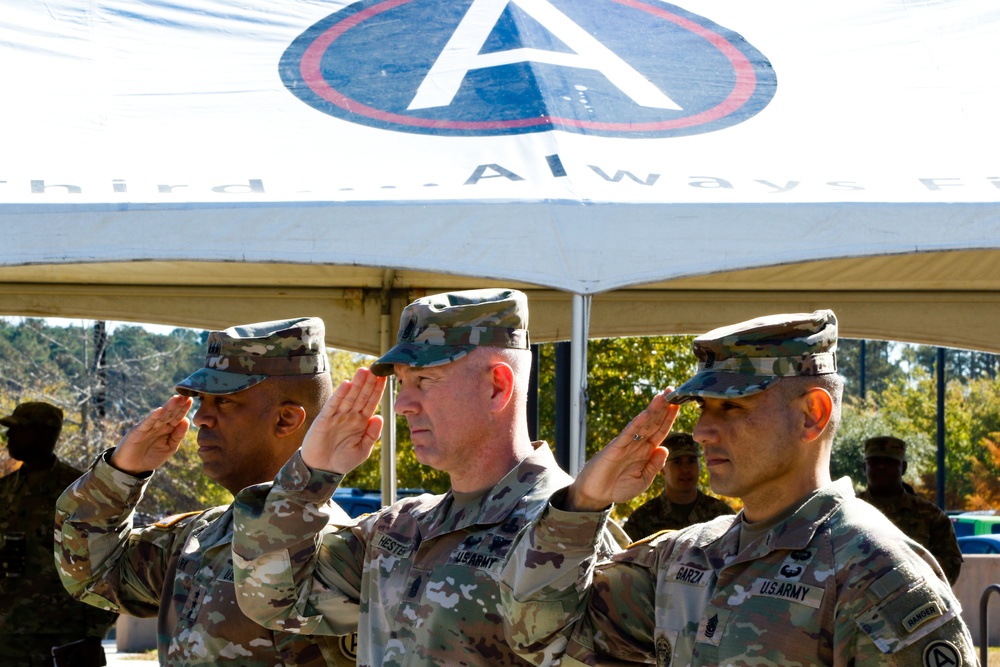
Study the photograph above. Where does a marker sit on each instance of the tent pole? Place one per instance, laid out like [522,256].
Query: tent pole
[389,417]
[578,383]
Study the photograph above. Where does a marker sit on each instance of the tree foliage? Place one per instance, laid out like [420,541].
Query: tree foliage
[61,365]
[905,405]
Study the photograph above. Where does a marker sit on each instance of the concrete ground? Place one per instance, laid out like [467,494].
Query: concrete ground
[116,659]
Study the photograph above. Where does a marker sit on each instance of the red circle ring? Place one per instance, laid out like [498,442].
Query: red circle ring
[746,81]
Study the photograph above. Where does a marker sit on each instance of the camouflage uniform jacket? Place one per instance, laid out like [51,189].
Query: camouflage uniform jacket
[179,570]
[35,605]
[833,584]
[426,574]
[659,514]
[923,522]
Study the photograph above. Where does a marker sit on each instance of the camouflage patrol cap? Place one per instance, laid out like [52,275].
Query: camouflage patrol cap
[35,413]
[681,444]
[886,446]
[746,358]
[240,357]
[439,329]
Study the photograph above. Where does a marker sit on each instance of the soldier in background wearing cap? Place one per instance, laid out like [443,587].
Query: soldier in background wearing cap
[426,568]
[921,520]
[261,387]
[681,503]
[36,613]
[806,574]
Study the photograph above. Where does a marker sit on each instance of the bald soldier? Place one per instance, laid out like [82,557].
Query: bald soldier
[806,574]
[681,503]
[920,519]
[260,389]
[425,570]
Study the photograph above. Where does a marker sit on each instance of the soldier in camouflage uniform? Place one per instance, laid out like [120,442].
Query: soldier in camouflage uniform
[260,389]
[807,574]
[36,612]
[919,519]
[425,569]
[681,503]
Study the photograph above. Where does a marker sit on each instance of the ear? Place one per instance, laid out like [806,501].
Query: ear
[903,471]
[502,385]
[817,406]
[291,417]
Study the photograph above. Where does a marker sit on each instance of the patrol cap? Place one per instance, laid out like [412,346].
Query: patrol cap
[439,329]
[886,446]
[240,357]
[681,444]
[746,358]
[35,413]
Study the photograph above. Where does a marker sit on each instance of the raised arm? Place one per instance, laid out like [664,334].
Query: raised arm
[546,586]
[627,466]
[296,568]
[100,558]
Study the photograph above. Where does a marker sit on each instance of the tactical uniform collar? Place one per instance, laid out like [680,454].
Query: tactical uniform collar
[795,532]
[495,506]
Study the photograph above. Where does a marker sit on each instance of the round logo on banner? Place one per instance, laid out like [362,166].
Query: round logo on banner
[621,68]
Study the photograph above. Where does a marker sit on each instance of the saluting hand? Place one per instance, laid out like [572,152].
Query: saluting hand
[342,436]
[151,442]
[627,465]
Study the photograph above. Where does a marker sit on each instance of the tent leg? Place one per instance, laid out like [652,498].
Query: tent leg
[388,416]
[578,383]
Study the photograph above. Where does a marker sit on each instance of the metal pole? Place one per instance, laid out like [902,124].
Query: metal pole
[562,404]
[388,463]
[578,384]
[984,633]
[863,369]
[940,427]
[533,395]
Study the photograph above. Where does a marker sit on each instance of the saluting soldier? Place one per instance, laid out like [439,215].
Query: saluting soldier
[260,389]
[806,574]
[425,569]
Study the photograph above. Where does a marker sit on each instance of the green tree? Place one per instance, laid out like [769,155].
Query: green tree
[623,376]
[56,364]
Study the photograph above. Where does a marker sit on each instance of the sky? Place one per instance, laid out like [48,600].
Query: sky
[111,325]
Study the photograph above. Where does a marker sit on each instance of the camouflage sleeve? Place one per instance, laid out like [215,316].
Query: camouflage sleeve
[546,586]
[297,568]
[944,546]
[100,559]
[905,617]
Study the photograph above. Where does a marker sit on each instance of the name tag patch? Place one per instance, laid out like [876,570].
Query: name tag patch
[686,574]
[474,559]
[788,590]
[391,546]
[921,615]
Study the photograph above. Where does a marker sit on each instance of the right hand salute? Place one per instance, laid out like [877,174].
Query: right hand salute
[627,465]
[342,436]
[151,442]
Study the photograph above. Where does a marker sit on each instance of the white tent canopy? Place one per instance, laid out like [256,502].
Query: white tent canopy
[200,163]
[160,164]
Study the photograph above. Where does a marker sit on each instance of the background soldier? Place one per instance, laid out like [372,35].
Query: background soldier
[261,387]
[681,503]
[36,612]
[920,519]
[807,574]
